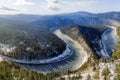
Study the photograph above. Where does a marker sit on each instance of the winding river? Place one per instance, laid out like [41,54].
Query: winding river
[73,59]
[76,56]
[71,63]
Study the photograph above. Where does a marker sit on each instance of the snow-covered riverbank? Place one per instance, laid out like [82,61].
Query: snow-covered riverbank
[109,40]
[68,52]
[79,49]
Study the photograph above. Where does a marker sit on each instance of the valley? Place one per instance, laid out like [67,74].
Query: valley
[71,46]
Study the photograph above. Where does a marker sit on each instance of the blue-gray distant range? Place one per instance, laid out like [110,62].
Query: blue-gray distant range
[60,42]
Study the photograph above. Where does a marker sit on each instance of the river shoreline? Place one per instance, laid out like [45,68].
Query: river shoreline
[72,63]
[85,57]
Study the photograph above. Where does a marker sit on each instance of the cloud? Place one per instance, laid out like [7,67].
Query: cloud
[52,1]
[7,10]
[23,2]
[80,3]
[15,6]
[61,4]
[3,8]
[54,8]
[53,5]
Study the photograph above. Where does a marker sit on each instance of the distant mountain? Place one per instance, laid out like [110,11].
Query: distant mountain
[6,22]
[55,21]
[78,18]
[80,13]
[59,21]
[22,17]
[110,15]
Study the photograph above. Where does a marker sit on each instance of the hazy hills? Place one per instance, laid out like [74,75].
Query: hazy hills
[56,21]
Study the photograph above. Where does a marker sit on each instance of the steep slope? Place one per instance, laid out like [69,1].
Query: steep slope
[101,41]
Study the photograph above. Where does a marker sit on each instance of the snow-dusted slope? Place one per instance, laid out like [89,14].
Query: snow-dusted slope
[108,41]
[68,52]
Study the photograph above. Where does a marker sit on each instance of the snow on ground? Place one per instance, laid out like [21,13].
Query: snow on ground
[6,48]
[111,66]
[79,48]
[1,59]
[108,42]
[60,57]
[73,62]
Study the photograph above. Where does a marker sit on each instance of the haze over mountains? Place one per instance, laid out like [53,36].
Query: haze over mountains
[52,21]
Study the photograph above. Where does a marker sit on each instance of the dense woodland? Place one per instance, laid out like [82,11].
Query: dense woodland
[11,71]
[31,43]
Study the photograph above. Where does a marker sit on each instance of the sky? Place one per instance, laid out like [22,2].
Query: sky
[45,7]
